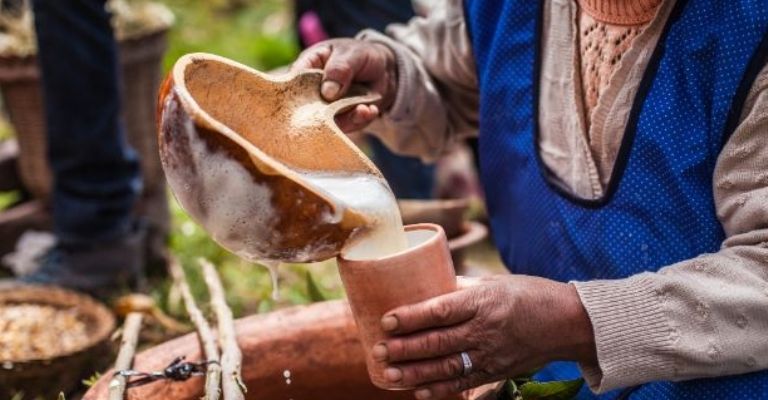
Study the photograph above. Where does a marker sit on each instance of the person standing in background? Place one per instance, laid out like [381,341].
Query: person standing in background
[96,175]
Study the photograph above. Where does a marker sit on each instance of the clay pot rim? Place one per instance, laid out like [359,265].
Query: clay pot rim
[405,254]
[261,160]
[103,321]
[436,204]
[450,214]
[472,232]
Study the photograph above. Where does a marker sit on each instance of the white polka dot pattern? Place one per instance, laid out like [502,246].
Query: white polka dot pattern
[662,210]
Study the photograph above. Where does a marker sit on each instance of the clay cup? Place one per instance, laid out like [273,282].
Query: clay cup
[377,286]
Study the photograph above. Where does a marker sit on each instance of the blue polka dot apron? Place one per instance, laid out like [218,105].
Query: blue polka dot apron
[658,208]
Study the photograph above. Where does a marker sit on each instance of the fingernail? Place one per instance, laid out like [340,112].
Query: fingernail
[393,374]
[389,323]
[422,394]
[379,352]
[330,89]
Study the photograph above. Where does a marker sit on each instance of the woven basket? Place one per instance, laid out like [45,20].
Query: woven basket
[46,378]
[140,59]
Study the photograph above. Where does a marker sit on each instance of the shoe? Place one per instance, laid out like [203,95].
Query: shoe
[102,270]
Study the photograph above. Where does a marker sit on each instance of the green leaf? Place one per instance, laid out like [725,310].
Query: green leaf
[513,391]
[313,291]
[555,390]
[92,380]
[8,199]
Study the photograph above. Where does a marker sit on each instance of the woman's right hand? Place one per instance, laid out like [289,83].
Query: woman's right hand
[344,61]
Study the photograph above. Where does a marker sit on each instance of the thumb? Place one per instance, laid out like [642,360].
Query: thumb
[341,68]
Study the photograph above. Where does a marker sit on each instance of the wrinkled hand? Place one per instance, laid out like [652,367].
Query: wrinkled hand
[348,60]
[509,325]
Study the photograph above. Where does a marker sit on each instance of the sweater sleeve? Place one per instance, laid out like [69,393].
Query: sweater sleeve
[706,316]
[437,98]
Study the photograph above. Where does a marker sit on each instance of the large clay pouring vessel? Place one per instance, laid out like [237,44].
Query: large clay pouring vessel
[234,142]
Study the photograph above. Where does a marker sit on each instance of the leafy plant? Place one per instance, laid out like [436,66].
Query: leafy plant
[525,388]
[313,291]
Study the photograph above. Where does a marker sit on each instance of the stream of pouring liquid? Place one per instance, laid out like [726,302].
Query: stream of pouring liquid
[372,197]
[271,266]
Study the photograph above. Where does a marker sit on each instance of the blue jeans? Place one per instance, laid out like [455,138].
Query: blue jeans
[96,173]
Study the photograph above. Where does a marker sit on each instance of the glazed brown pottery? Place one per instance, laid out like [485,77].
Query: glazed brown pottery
[472,233]
[449,214]
[232,140]
[376,286]
[317,344]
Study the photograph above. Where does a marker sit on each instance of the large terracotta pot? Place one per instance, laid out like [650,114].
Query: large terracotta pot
[450,214]
[318,344]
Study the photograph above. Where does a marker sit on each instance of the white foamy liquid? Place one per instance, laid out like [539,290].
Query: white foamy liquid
[370,196]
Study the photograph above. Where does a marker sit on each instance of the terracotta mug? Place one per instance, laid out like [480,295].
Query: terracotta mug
[377,286]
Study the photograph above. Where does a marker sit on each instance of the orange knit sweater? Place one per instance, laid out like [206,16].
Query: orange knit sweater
[607,28]
[621,12]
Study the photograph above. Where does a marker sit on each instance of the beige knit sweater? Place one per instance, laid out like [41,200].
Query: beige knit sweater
[698,318]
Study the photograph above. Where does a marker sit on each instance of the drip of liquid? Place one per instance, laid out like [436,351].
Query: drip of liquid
[272,266]
[371,196]
[287,376]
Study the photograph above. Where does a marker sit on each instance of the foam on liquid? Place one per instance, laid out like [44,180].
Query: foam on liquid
[370,196]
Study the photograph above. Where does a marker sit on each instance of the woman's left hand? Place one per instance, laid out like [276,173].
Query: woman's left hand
[508,325]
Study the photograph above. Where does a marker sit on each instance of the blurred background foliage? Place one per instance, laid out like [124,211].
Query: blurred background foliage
[255,32]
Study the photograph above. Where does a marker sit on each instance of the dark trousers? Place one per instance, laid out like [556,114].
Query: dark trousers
[96,173]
